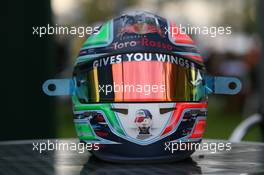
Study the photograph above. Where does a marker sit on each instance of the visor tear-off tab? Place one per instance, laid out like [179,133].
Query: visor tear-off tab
[223,85]
[214,85]
[58,87]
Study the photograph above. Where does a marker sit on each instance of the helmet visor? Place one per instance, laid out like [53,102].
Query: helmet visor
[139,77]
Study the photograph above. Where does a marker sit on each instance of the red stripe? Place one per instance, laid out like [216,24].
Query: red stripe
[197,58]
[199,129]
[179,36]
[178,112]
[101,133]
[182,38]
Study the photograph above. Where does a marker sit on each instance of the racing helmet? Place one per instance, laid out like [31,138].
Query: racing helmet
[139,85]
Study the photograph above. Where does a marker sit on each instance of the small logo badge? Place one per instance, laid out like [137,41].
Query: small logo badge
[141,24]
[198,80]
[143,122]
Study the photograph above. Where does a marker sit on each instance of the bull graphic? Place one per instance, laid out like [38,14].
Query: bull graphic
[141,24]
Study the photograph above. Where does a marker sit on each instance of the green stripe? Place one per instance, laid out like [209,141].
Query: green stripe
[102,38]
[106,108]
[84,131]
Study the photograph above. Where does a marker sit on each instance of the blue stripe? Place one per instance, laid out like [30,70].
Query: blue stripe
[188,53]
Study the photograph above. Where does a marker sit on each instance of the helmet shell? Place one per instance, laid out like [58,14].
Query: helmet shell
[139,131]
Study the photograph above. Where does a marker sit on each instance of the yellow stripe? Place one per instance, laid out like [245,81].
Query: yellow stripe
[96,85]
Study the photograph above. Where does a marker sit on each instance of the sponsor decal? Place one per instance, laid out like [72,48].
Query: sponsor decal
[198,79]
[141,28]
[143,42]
[143,121]
[115,59]
[143,124]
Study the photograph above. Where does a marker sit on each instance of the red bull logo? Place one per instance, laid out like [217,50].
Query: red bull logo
[140,29]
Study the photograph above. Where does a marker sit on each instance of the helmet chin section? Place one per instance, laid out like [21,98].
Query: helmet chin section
[140,127]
